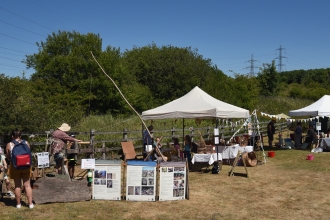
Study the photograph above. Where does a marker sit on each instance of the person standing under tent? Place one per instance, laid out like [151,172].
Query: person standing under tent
[187,148]
[147,140]
[271,132]
[298,135]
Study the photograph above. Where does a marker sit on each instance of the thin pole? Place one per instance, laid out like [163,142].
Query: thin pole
[183,131]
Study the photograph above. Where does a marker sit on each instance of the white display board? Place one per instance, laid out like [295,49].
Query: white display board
[172,181]
[43,159]
[107,180]
[141,181]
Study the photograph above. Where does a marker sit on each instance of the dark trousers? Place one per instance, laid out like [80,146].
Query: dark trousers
[187,154]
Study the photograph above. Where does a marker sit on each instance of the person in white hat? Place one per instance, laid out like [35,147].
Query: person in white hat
[60,139]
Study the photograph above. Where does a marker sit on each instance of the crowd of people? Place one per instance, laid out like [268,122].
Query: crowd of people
[22,176]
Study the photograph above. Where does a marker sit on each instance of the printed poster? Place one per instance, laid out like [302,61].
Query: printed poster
[107,181]
[172,181]
[141,181]
[43,159]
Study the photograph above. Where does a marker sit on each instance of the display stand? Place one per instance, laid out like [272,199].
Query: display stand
[107,180]
[231,172]
[172,181]
[141,180]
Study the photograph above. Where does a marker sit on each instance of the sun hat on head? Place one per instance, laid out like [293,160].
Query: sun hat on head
[64,127]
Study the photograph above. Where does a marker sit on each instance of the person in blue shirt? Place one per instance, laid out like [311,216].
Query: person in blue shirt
[187,148]
[147,140]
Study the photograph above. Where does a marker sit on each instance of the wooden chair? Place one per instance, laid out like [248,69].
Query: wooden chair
[128,150]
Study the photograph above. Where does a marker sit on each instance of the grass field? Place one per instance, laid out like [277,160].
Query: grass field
[286,187]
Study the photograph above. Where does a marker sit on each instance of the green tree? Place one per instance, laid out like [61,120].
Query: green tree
[268,79]
[67,75]
[168,72]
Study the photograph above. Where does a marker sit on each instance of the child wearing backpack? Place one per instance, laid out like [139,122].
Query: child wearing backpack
[18,172]
[3,174]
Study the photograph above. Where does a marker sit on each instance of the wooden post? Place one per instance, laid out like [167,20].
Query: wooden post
[192,135]
[125,134]
[173,132]
[208,132]
[76,147]
[92,143]
[103,151]
[63,166]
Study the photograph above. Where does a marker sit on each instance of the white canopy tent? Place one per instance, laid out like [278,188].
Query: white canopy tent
[319,108]
[196,104]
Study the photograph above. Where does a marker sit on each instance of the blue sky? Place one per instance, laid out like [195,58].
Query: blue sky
[226,31]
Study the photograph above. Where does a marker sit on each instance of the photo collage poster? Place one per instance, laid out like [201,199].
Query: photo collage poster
[141,183]
[107,182]
[172,181]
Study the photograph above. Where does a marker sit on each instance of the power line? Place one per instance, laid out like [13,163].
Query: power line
[27,19]
[10,59]
[22,28]
[13,50]
[17,39]
[305,60]
[11,54]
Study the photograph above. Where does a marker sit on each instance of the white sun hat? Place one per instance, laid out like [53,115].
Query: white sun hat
[65,127]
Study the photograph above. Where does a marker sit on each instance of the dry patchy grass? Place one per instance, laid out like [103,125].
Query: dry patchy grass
[287,187]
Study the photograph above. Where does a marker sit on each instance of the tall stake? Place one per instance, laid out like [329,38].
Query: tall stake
[121,93]
[124,98]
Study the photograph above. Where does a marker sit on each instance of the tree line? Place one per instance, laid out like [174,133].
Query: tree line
[68,85]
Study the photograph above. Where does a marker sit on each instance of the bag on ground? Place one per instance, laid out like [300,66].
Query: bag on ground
[21,155]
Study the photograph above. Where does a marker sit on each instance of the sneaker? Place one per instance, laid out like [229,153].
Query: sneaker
[31,206]
[18,206]
[10,194]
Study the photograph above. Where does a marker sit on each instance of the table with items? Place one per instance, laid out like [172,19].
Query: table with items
[206,158]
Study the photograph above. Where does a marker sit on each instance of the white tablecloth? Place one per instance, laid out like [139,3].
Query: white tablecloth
[210,158]
[230,152]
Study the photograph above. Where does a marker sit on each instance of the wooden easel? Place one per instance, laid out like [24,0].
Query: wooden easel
[231,172]
[153,151]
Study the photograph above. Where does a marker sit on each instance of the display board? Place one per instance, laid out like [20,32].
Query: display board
[107,180]
[141,180]
[172,181]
